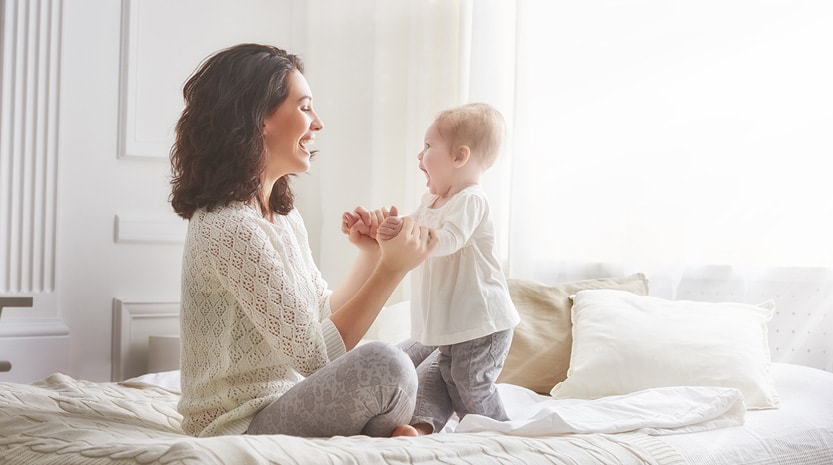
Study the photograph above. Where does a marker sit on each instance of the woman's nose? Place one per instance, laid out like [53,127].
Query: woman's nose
[317,124]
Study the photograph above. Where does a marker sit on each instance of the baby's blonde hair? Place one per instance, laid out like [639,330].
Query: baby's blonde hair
[477,125]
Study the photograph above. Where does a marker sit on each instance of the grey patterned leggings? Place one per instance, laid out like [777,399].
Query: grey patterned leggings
[459,378]
[369,390]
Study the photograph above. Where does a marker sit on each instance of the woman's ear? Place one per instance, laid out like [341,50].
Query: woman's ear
[462,154]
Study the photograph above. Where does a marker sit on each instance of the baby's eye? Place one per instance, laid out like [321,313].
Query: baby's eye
[306,108]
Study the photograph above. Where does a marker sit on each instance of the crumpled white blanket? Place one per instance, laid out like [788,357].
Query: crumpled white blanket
[656,411]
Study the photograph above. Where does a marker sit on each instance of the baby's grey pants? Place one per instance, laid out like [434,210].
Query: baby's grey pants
[459,378]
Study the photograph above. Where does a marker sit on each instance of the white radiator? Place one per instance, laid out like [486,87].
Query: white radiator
[28,145]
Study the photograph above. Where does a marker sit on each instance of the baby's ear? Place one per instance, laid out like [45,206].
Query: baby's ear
[462,154]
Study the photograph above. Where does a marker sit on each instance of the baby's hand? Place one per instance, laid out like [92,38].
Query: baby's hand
[366,222]
[389,228]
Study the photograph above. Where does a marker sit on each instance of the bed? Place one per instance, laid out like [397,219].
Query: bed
[600,372]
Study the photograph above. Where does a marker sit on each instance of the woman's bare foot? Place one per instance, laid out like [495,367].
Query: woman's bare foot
[404,430]
[419,429]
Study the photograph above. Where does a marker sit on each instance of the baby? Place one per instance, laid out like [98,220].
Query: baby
[462,316]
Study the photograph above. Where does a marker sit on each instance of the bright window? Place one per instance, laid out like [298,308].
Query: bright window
[673,132]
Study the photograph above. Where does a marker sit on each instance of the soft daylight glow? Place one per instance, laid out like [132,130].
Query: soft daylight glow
[674,132]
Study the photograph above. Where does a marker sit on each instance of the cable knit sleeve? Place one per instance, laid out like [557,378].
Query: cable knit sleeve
[268,269]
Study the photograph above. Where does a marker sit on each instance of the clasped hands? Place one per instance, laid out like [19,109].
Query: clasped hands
[401,240]
[382,224]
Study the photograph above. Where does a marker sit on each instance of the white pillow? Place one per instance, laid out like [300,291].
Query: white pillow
[624,343]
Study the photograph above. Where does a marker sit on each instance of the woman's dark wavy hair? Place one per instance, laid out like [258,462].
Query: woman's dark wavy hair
[219,156]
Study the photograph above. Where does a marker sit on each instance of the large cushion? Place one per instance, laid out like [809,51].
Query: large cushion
[540,352]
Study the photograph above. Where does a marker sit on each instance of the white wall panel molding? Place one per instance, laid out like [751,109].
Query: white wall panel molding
[151,82]
[149,229]
[134,321]
[145,128]
[29,74]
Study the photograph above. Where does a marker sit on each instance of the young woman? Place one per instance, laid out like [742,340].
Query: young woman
[267,347]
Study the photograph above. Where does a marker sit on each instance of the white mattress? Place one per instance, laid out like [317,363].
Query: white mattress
[800,432]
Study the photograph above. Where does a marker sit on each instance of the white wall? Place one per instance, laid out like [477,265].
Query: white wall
[379,72]
[95,186]
[121,70]
[122,65]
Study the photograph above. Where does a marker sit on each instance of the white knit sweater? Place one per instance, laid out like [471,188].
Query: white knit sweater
[255,316]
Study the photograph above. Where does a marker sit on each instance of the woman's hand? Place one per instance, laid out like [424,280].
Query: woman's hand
[360,297]
[362,225]
[409,248]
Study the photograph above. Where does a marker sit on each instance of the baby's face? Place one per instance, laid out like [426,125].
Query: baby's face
[436,161]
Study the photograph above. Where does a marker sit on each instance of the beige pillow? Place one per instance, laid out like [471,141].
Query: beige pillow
[540,352]
[625,343]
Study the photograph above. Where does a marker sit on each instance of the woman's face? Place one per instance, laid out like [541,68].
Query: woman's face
[289,131]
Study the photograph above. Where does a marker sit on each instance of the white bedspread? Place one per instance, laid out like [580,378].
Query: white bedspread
[61,420]
[658,411]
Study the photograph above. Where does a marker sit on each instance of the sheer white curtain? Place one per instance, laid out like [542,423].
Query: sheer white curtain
[672,133]
[379,71]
